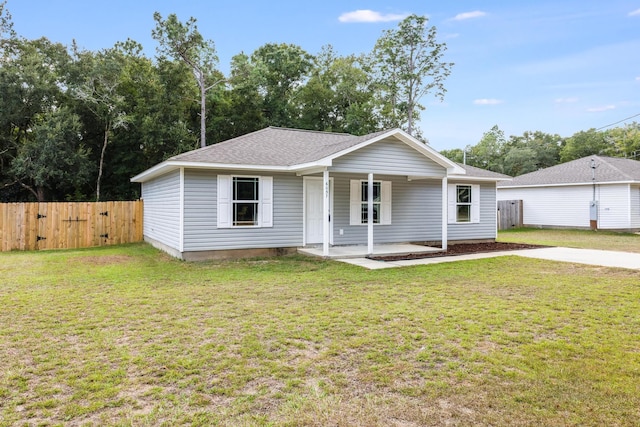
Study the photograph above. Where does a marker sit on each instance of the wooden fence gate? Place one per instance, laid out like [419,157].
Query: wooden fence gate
[509,214]
[69,225]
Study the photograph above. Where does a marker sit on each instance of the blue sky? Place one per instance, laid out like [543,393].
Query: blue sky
[556,66]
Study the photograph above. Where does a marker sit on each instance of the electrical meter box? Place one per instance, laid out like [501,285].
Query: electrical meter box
[593,210]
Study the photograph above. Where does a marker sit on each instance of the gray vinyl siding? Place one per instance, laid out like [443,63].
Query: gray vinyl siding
[161,204]
[388,156]
[200,215]
[486,228]
[416,212]
[635,206]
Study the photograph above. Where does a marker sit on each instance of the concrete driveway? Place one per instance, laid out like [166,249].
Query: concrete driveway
[580,256]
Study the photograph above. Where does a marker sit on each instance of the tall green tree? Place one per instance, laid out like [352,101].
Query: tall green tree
[185,43]
[488,153]
[99,93]
[245,111]
[625,140]
[530,152]
[585,143]
[33,74]
[6,23]
[161,96]
[281,70]
[53,163]
[455,154]
[337,97]
[158,100]
[407,64]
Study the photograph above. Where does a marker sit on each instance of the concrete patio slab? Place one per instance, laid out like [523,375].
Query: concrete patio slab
[360,251]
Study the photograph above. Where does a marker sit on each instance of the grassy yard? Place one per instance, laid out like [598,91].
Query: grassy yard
[128,336]
[607,240]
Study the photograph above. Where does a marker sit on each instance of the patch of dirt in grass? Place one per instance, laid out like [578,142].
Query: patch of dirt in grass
[460,249]
[104,259]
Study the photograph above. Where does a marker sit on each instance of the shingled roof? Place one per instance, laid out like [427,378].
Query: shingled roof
[608,169]
[295,150]
[475,172]
[274,146]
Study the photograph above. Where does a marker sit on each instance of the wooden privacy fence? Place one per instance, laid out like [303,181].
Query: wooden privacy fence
[69,225]
[509,214]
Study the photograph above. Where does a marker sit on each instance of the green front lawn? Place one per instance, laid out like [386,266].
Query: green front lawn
[586,239]
[128,336]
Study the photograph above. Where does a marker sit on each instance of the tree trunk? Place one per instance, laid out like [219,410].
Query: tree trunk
[38,194]
[104,148]
[203,111]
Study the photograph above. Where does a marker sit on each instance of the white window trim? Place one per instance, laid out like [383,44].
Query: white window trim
[452,202]
[225,202]
[355,205]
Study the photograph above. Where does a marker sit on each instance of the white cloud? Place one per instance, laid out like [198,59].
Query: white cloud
[601,109]
[635,13]
[366,15]
[469,15]
[638,79]
[566,100]
[487,101]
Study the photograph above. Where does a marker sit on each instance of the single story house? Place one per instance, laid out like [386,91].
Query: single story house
[275,190]
[591,192]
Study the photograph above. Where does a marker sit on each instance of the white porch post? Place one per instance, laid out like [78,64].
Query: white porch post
[325,213]
[445,212]
[370,215]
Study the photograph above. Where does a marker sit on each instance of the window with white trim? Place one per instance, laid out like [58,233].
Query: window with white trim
[245,201]
[377,200]
[359,202]
[464,203]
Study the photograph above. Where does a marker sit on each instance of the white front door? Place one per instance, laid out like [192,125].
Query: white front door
[313,210]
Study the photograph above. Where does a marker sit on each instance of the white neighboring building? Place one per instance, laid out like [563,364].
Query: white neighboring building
[562,195]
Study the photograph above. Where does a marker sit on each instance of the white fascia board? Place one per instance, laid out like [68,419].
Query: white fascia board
[419,177]
[157,170]
[568,184]
[311,167]
[311,171]
[477,178]
[169,165]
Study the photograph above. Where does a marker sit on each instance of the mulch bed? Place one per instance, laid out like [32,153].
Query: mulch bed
[459,249]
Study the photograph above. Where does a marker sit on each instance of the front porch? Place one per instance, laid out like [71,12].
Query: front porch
[336,211]
[361,251]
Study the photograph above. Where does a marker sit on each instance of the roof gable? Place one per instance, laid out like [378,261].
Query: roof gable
[608,169]
[287,150]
